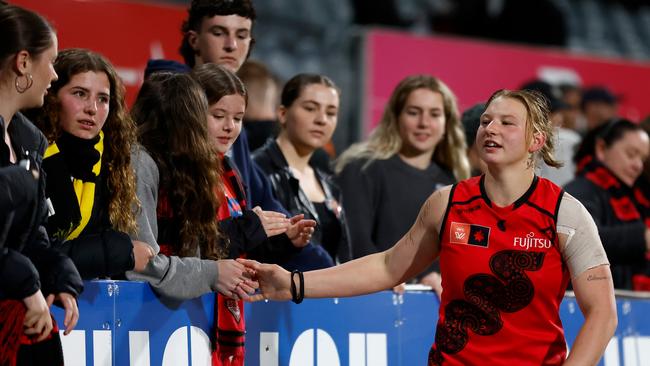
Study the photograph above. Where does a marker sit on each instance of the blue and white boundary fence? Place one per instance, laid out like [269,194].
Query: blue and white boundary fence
[125,323]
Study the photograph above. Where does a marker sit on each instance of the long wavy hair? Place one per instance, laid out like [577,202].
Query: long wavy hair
[119,131]
[385,140]
[171,113]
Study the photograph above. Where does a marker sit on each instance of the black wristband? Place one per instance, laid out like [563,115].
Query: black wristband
[296,296]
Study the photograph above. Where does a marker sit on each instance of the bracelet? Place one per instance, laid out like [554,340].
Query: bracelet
[295,296]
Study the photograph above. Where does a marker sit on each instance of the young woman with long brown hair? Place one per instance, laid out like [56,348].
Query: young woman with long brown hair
[251,233]
[90,182]
[178,185]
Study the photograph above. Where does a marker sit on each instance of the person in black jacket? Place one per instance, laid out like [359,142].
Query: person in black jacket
[308,114]
[90,182]
[27,263]
[609,161]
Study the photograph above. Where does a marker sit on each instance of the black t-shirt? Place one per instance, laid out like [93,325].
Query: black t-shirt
[330,228]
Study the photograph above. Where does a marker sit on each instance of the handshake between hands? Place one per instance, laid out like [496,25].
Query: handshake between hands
[249,280]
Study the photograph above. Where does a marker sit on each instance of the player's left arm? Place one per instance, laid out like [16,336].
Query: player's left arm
[594,292]
[591,277]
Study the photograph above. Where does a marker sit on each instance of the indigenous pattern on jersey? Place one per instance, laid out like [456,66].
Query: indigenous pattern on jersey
[503,279]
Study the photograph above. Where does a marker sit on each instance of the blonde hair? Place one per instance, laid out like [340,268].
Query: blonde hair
[537,121]
[385,141]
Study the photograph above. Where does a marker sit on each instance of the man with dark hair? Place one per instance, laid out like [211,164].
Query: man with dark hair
[218,31]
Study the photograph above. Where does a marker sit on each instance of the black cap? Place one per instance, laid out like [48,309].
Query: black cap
[162,65]
[551,94]
[598,94]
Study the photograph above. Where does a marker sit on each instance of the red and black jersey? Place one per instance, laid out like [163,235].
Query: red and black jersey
[503,279]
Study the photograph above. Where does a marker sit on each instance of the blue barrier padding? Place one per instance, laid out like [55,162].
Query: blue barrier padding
[125,323]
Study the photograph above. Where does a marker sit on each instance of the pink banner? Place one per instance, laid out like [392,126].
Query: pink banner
[127,33]
[475,69]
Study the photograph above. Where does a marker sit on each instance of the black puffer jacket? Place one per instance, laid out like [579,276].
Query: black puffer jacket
[18,276]
[23,211]
[287,190]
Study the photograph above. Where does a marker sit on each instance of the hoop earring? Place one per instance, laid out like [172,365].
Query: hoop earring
[20,88]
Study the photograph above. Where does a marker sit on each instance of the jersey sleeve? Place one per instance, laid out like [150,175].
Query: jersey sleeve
[583,249]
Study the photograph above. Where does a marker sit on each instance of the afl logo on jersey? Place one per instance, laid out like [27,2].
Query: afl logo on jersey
[469,234]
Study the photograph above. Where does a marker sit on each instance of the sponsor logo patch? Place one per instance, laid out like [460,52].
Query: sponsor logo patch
[469,234]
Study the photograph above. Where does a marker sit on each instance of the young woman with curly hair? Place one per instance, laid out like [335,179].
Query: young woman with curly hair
[90,182]
[178,185]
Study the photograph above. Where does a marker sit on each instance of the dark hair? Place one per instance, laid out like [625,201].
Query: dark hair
[217,82]
[292,89]
[23,29]
[471,119]
[160,65]
[201,9]
[119,130]
[598,94]
[608,132]
[171,112]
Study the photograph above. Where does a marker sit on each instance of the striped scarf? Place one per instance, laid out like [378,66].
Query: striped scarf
[82,160]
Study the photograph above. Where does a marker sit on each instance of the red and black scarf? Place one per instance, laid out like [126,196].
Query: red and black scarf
[16,345]
[230,327]
[629,204]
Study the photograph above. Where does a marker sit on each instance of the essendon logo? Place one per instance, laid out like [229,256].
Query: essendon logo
[233,308]
[469,234]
